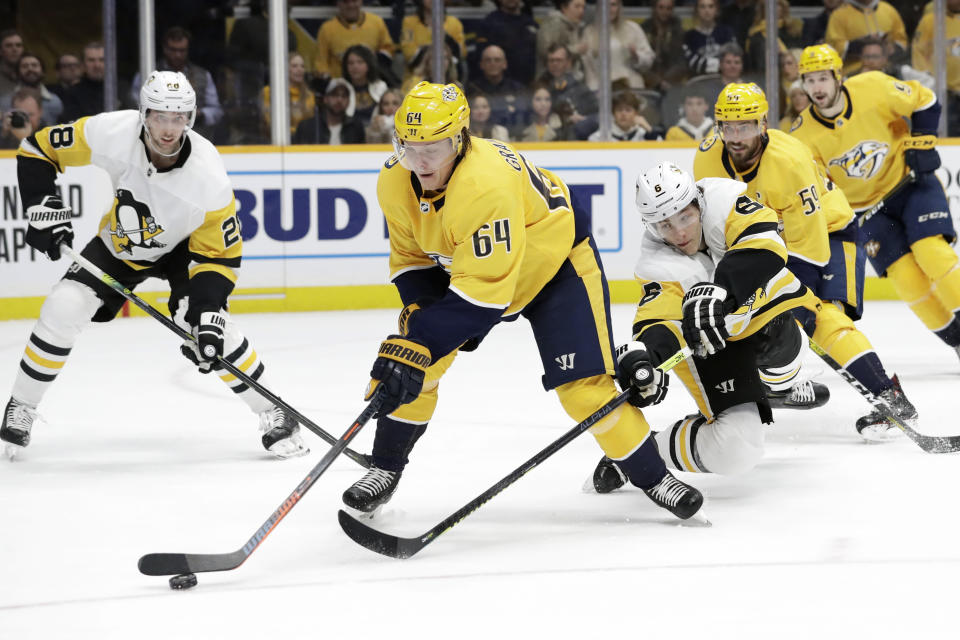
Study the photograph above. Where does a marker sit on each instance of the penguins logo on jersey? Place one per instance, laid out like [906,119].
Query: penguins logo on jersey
[864,160]
[132,225]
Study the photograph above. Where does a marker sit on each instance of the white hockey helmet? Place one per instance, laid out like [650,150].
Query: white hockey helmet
[663,191]
[168,91]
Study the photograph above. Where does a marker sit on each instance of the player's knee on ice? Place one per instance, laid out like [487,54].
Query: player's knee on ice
[731,444]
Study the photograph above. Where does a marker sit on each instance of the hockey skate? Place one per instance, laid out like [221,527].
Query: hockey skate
[15,431]
[805,394]
[607,477]
[874,427]
[281,434]
[372,490]
[678,498]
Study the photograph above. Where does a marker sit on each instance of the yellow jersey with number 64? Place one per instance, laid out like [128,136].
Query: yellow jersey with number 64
[862,147]
[787,179]
[502,228]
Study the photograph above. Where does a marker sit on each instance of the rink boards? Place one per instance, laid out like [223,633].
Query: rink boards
[315,239]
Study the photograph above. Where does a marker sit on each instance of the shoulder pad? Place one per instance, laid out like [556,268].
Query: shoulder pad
[660,263]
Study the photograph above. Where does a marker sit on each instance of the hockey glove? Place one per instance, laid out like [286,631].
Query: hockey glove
[703,319]
[921,153]
[635,372]
[50,226]
[208,343]
[398,373]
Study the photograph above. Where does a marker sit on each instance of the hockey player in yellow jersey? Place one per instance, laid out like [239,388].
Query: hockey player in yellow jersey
[479,235]
[817,224]
[713,271]
[876,136]
[173,218]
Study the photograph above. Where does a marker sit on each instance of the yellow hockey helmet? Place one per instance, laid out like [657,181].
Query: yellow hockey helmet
[741,101]
[432,112]
[820,57]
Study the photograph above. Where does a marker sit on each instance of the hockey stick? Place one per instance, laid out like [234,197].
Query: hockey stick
[164,564]
[107,279]
[930,444]
[866,214]
[397,547]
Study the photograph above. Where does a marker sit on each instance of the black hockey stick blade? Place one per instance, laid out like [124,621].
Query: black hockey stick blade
[164,564]
[111,282]
[403,548]
[930,444]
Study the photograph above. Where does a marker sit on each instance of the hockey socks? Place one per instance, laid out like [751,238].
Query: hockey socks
[393,443]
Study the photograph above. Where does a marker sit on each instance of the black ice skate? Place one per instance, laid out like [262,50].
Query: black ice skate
[607,476]
[281,434]
[806,394]
[15,431]
[874,427]
[372,490]
[678,498]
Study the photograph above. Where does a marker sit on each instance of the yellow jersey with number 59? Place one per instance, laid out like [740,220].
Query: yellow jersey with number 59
[502,228]
[862,147]
[153,209]
[787,179]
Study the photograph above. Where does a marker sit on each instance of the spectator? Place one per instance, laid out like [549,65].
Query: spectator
[85,98]
[564,25]
[68,70]
[515,32]
[481,125]
[797,101]
[701,45]
[628,125]
[922,59]
[665,34]
[31,73]
[546,124]
[788,32]
[874,57]
[731,65]
[694,125]
[332,124]
[361,71]
[27,102]
[630,52]
[815,28]
[850,23]
[11,48]
[417,31]
[565,88]
[423,65]
[740,15]
[249,43]
[302,103]
[507,96]
[176,57]
[352,25]
[381,127]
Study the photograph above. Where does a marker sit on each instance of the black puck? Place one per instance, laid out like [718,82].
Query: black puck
[184,581]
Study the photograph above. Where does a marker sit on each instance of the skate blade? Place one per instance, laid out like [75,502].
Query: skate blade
[879,434]
[697,520]
[588,485]
[11,451]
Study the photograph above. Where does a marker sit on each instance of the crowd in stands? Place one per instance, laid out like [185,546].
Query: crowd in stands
[527,78]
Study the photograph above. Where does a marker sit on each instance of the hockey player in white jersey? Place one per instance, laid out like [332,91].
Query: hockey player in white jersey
[173,217]
[713,271]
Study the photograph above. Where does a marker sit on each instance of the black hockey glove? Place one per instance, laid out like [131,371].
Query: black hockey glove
[208,343]
[397,373]
[635,372]
[50,226]
[921,153]
[703,319]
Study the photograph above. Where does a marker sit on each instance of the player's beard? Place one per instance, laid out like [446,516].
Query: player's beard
[747,153]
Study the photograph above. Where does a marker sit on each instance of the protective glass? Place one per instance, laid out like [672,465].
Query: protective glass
[426,157]
[738,130]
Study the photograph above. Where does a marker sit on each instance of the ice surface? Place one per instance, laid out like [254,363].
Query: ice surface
[139,453]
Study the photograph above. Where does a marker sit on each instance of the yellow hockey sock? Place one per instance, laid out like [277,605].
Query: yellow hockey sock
[620,432]
[940,263]
[916,289]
